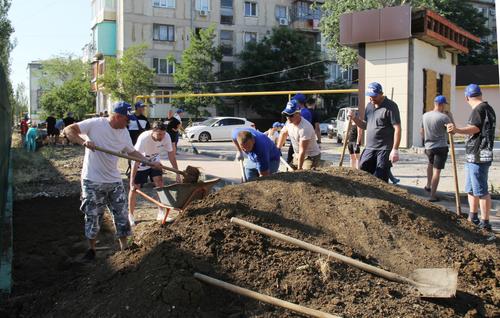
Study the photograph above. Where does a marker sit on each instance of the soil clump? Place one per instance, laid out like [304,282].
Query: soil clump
[344,210]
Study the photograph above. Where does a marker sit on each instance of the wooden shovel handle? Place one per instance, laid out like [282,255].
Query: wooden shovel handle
[454,164]
[125,156]
[264,298]
[346,136]
[313,248]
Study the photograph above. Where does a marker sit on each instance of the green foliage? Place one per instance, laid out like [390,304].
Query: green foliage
[196,69]
[6,30]
[73,95]
[20,102]
[458,11]
[128,76]
[65,82]
[282,51]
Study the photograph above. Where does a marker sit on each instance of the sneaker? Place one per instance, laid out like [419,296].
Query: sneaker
[485,225]
[160,215]
[474,218]
[131,219]
[395,180]
[89,255]
[169,219]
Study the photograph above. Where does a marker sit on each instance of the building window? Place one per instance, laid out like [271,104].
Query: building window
[281,12]
[163,66]
[202,5]
[226,41]
[250,37]
[250,9]
[110,4]
[161,100]
[164,4]
[226,11]
[226,67]
[163,32]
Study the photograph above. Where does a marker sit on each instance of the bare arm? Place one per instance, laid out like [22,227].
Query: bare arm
[317,129]
[282,138]
[360,123]
[73,132]
[302,152]
[173,160]
[467,130]
[397,136]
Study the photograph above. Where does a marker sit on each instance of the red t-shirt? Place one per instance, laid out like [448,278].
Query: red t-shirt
[24,127]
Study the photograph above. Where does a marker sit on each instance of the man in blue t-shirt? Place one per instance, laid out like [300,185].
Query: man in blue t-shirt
[262,153]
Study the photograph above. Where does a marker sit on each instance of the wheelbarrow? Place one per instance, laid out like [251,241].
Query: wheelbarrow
[177,196]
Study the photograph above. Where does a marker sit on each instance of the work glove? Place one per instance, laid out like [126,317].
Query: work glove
[239,156]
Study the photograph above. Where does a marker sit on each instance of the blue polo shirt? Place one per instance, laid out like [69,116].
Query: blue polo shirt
[306,114]
[264,150]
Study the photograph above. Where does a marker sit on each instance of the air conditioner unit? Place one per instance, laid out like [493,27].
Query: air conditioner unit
[283,21]
[203,13]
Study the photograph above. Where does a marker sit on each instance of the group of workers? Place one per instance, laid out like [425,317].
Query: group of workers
[382,123]
[132,134]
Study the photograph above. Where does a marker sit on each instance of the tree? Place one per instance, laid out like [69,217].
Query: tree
[195,72]
[65,82]
[458,11]
[20,104]
[128,76]
[6,30]
[290,59]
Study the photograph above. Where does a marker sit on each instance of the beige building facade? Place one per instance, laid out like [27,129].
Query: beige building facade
[166,25]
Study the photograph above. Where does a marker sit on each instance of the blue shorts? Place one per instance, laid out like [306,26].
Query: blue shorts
[251,172]
[476,178]
[141,177]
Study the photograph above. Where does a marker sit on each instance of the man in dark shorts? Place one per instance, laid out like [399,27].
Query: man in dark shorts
[383,132]
[435,143]
[150,144]
[479,154]
[52,131]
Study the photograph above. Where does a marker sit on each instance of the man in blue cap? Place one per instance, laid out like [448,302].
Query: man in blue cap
[436,143]
[303,138]
[274,132]
[138,122]
[261,151]
[383,132]
[479,154]
[101,180]
[299,100]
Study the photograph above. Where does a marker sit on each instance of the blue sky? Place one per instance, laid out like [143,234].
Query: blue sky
[46,28]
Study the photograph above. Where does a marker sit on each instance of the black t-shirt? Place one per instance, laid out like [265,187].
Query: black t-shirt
[68,121]
[479,147]
[137,124]
[353,133]
[315,117]
[380,123]
[51,123]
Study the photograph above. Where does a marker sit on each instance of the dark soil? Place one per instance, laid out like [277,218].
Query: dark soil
[343,210]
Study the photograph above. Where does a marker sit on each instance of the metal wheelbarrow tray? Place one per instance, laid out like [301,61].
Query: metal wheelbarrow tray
[177,196]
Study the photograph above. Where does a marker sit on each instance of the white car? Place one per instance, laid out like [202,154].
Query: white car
[216,128]
[342,122]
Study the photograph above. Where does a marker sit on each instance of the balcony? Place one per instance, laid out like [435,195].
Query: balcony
[304,17]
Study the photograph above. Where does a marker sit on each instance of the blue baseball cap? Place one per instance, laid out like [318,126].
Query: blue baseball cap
[122,108]
[473,90]
[440,99]
[180,110]
[276,124]
[291,108]
[139,104]
[373,89]
[301,98]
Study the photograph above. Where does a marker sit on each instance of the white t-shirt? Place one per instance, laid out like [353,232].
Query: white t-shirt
[273,135]
[303,131]
[99,166]
[152,149]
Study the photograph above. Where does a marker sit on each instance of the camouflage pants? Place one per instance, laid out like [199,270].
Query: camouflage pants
[95,197]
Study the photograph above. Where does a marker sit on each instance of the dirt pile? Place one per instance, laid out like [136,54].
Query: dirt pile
[344,210]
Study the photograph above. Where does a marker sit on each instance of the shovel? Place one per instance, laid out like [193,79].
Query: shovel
[191,174]
[454,162]
[242,169]
[346,136]
[429,282]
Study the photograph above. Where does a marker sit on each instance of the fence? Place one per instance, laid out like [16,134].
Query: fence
[5,186]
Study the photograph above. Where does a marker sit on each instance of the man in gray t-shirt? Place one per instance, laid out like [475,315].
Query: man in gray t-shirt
[436,144]
[383,133]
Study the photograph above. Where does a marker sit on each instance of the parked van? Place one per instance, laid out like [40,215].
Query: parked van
[342,122]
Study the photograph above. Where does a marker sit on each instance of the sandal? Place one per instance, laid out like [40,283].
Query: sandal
[434,200]
[427,189]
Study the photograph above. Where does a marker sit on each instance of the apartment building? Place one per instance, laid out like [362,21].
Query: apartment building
[487,9]
[35,89]
[165,26]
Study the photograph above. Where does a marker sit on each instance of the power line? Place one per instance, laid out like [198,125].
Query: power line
[261,75]
[281,82]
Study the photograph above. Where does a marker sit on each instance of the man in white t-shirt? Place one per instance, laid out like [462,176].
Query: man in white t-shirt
[307,154]
[101,180]
[150,144]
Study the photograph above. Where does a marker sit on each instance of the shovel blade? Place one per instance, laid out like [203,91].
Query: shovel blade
[436,282]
